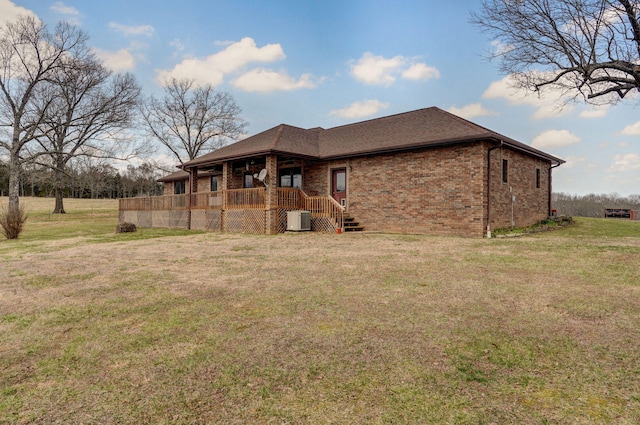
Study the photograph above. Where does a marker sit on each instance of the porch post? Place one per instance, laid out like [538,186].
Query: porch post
[193,188]
[227,176]
[271,195]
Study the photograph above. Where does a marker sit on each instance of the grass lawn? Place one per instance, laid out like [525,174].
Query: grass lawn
[176,327]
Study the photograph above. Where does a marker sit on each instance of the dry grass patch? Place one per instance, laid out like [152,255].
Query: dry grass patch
[312,328]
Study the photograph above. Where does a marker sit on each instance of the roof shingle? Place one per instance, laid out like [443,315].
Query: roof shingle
[421,128]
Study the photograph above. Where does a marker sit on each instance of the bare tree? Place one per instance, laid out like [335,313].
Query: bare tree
[90,111]
[192,120]
[29,56]
[588,48]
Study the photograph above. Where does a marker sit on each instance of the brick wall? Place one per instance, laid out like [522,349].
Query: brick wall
[437,191]
[531,204]
[315,178]
[434,191]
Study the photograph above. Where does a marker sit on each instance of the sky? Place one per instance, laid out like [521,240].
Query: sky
[330,63]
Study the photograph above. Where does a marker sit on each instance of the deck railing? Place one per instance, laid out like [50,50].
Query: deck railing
[325,206]
[287,198]
[290,198]
[207,200]
[246,199]
[153,203]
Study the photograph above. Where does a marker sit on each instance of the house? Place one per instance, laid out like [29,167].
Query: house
[425,171]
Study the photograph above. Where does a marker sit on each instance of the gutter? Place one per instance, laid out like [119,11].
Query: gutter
[489,187]
[549,182]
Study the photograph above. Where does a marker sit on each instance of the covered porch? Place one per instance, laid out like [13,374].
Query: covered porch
[252,210]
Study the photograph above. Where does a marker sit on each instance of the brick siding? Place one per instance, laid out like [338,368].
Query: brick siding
[434,191]
[531,203]
[438,190]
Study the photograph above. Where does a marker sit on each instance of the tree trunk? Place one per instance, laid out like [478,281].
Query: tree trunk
[14,184]
[58,183]
[59,208]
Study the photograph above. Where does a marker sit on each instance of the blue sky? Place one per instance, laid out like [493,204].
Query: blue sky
[329,63]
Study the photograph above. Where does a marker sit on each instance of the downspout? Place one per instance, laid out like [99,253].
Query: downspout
[489,188]
[549,191]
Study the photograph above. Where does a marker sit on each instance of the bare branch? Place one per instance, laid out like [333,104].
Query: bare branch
[590,47]
[190,121]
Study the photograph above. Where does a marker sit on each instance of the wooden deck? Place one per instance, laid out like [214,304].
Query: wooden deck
[326,214]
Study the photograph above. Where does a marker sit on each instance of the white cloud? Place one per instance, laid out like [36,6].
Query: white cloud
[420,71]
[632,129]
[266,80]
[360,109]
[213,68]
[118,61]
[63,9]
[71,14]
[471,110]
[553,139]
[177,44]
[129,30]
[9,11]
[594,111]
[378,70]
[625,162]
[499,48]
[548,105]
[195,69]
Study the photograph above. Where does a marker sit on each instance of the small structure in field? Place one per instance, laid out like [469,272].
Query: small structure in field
[624,213]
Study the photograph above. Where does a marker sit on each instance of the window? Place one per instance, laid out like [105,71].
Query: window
[214,183]
[291,177]
[537,178]
[505,171]
[248,181]
[179,187]
[341,181]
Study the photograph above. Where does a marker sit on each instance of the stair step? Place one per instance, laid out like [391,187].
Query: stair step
[351,225]
[354,229]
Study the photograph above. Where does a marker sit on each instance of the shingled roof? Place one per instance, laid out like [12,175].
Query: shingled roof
[177,176]
[427,127]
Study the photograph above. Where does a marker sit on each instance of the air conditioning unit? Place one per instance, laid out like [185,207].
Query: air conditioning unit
[298,221]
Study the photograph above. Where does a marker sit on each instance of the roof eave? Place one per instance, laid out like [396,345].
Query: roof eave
[195,162]
[527,150]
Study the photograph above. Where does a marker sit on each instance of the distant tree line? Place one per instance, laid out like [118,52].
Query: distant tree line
[86,178]
[592,205]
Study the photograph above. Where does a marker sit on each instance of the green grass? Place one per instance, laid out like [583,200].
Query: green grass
[159,327]
[85,220]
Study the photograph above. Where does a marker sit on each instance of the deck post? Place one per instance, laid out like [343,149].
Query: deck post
[271,195]
[227,177]
[193,188]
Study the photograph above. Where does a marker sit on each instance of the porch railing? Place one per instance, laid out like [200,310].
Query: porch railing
[246,199]
[287,198]
[318,206]
[207,200]
[325,207]
[153,203]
